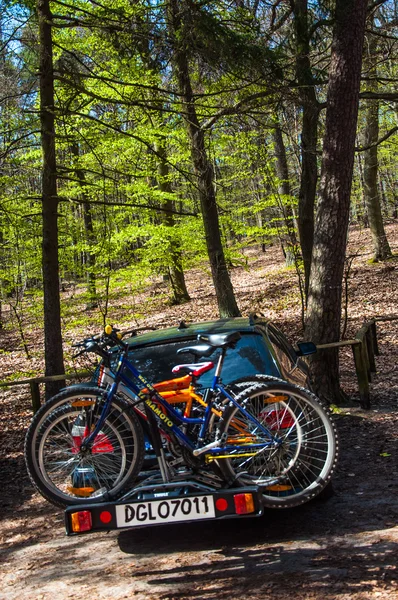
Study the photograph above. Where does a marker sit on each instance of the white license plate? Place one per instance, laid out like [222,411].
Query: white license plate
[168,510]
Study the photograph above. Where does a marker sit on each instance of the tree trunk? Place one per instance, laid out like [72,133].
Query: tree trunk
[89,256]
[309,135]
[52,311]
[203,167]
[177,278]
[371,191]
[282,173]
[325,287]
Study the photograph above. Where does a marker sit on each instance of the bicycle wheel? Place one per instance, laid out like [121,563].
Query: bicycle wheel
[298,465]
[58,468]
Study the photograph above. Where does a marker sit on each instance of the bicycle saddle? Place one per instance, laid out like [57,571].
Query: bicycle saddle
[196,369]
[197,351]
[220,340]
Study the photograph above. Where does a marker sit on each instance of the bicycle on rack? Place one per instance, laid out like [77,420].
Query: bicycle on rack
[89,442]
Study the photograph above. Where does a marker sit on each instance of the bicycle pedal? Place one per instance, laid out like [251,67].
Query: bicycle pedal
[200,451]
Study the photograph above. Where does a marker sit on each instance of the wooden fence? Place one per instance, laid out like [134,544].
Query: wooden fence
[35,382]
[364,347]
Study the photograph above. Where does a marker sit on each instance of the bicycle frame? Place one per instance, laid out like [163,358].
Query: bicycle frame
[155,403]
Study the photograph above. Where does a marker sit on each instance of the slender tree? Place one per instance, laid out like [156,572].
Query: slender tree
[381,248]
[176,272]
[203,167]
[282,172]
[309,133]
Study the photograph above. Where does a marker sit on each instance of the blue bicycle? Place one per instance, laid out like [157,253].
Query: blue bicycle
[89,442]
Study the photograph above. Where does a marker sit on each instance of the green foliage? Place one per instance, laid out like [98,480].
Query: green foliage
[123,153]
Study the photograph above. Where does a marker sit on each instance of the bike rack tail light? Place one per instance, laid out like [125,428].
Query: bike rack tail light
[244,504]
[81,521]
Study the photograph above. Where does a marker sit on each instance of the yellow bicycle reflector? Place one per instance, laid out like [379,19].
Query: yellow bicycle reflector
[279,488]
[82,403]
[275,399]
[108,329]
[82,492]
[244,504]
[81,521]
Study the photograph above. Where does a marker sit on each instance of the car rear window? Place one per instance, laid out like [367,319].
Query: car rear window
[250,356]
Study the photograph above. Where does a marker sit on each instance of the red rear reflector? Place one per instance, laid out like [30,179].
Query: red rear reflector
[101,444]
[244,504]
[81,521]
[221,504]
[105,517]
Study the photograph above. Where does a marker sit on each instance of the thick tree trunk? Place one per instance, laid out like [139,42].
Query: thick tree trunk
[325,289]
[371,167]
[52,312]
[309,135]
[203,167]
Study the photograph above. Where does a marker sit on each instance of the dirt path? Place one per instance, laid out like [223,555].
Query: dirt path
[345,547]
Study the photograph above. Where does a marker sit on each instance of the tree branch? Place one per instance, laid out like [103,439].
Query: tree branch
[110,204]
[380,141]
[389,96]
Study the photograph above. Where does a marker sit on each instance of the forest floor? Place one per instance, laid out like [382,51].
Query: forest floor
[344,548]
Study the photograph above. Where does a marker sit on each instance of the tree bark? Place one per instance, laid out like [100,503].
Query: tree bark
[54,364]
[309,135]
[331,225]
[203,167]
[381,246]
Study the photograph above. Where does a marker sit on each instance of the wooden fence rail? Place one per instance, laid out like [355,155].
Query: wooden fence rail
[36,381]
[364,349]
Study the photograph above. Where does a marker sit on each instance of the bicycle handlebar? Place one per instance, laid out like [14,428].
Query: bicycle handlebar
[100,343]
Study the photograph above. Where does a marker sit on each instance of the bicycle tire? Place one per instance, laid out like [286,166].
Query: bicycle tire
[288,475]
[56,466]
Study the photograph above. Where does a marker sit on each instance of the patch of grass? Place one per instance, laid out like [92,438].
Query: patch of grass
[285,302]
[20,375]
[83,321]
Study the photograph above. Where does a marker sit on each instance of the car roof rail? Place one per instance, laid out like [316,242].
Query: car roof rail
[253,318]
[134,332]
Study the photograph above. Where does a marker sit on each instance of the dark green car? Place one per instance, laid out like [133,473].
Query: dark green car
[263,348]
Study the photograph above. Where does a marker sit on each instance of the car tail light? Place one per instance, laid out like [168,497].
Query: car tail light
[81,521]
[244,504]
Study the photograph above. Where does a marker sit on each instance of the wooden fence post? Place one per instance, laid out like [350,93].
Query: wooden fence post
[373,332]
[370,349]
[35,394]
[362,374]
